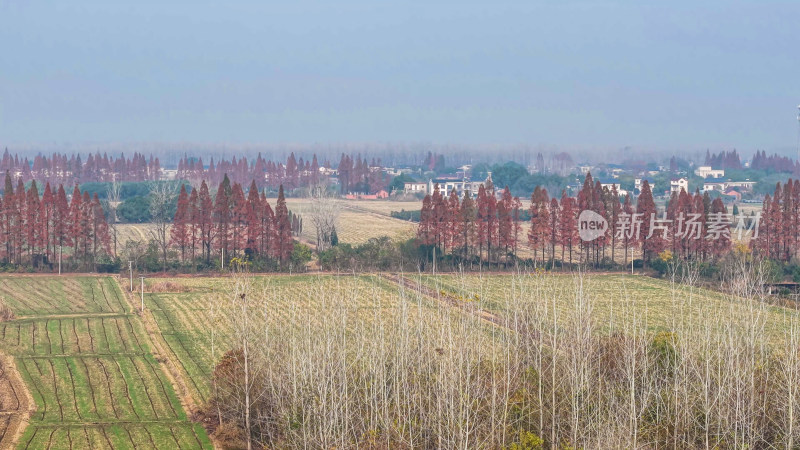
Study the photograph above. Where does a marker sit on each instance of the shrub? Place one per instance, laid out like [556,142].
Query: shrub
[6,313]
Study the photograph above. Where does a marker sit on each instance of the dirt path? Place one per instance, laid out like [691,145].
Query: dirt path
[446,298]
[16,403]
[142,234]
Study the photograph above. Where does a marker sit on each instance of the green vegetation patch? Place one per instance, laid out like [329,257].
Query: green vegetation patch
[86,360]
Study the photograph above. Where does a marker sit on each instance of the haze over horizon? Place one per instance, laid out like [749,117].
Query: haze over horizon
[576,74]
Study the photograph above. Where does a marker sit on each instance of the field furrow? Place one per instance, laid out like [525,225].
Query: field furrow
[85,359]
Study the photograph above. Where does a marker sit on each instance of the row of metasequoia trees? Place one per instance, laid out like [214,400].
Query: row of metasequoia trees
[489,227]
[232,223]
[466,227]
[266,173]
[41,230]
[63,169]
[356,174]
[724,160]
[772,163]
[779,229]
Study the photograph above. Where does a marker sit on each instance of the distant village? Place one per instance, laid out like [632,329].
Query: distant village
[725,174]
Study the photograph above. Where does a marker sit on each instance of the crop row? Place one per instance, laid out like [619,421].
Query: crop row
[86,361]
[73,336]
[30,296]
[82,389]
[180,435]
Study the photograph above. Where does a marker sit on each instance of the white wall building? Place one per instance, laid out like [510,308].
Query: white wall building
[415,188]
[678,184]
[447,185]
[708,172]
[620,192]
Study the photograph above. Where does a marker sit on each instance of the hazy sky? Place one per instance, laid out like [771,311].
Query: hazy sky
[667,74]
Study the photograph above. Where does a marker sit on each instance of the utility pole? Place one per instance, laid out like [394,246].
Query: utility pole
[222,259]
[130,267]
[60,252]
[142,294]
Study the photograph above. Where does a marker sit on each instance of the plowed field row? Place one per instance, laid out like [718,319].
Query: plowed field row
[87,363]
[36,295]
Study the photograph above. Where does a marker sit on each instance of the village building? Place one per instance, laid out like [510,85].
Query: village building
[676,184]
[414,187]
[708,172]
[460,185]
[380,195]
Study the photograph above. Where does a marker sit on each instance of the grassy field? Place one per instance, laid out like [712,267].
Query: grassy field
[133,232]
[186,318]
[87,362]
[360,220]
[614,301]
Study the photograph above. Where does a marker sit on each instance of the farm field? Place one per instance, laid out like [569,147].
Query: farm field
[133,232]
[616,302]
[359,221]
[382,206]
[88,364]
[182,309]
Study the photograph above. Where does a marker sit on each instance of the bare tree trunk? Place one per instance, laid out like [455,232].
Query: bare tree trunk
[161,198]
[325,210]
[114,195]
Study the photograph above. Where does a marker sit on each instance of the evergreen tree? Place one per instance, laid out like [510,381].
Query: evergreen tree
[204,222]
[568,224]
[179,233]
[653,241]
[334,237]
[283,228]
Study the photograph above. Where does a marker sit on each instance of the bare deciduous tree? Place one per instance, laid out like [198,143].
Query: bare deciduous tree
[242,372]
[162,196]
[114,194]
[325,209]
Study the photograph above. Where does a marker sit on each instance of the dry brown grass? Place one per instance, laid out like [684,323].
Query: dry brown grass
[359,221]
[168,286]
[133,232]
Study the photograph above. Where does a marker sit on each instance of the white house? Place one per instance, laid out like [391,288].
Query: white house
[708,172]
[447,185]
[745,185]
[415,188]
[620,192]
[707,187]
[724,186]
[675,185]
